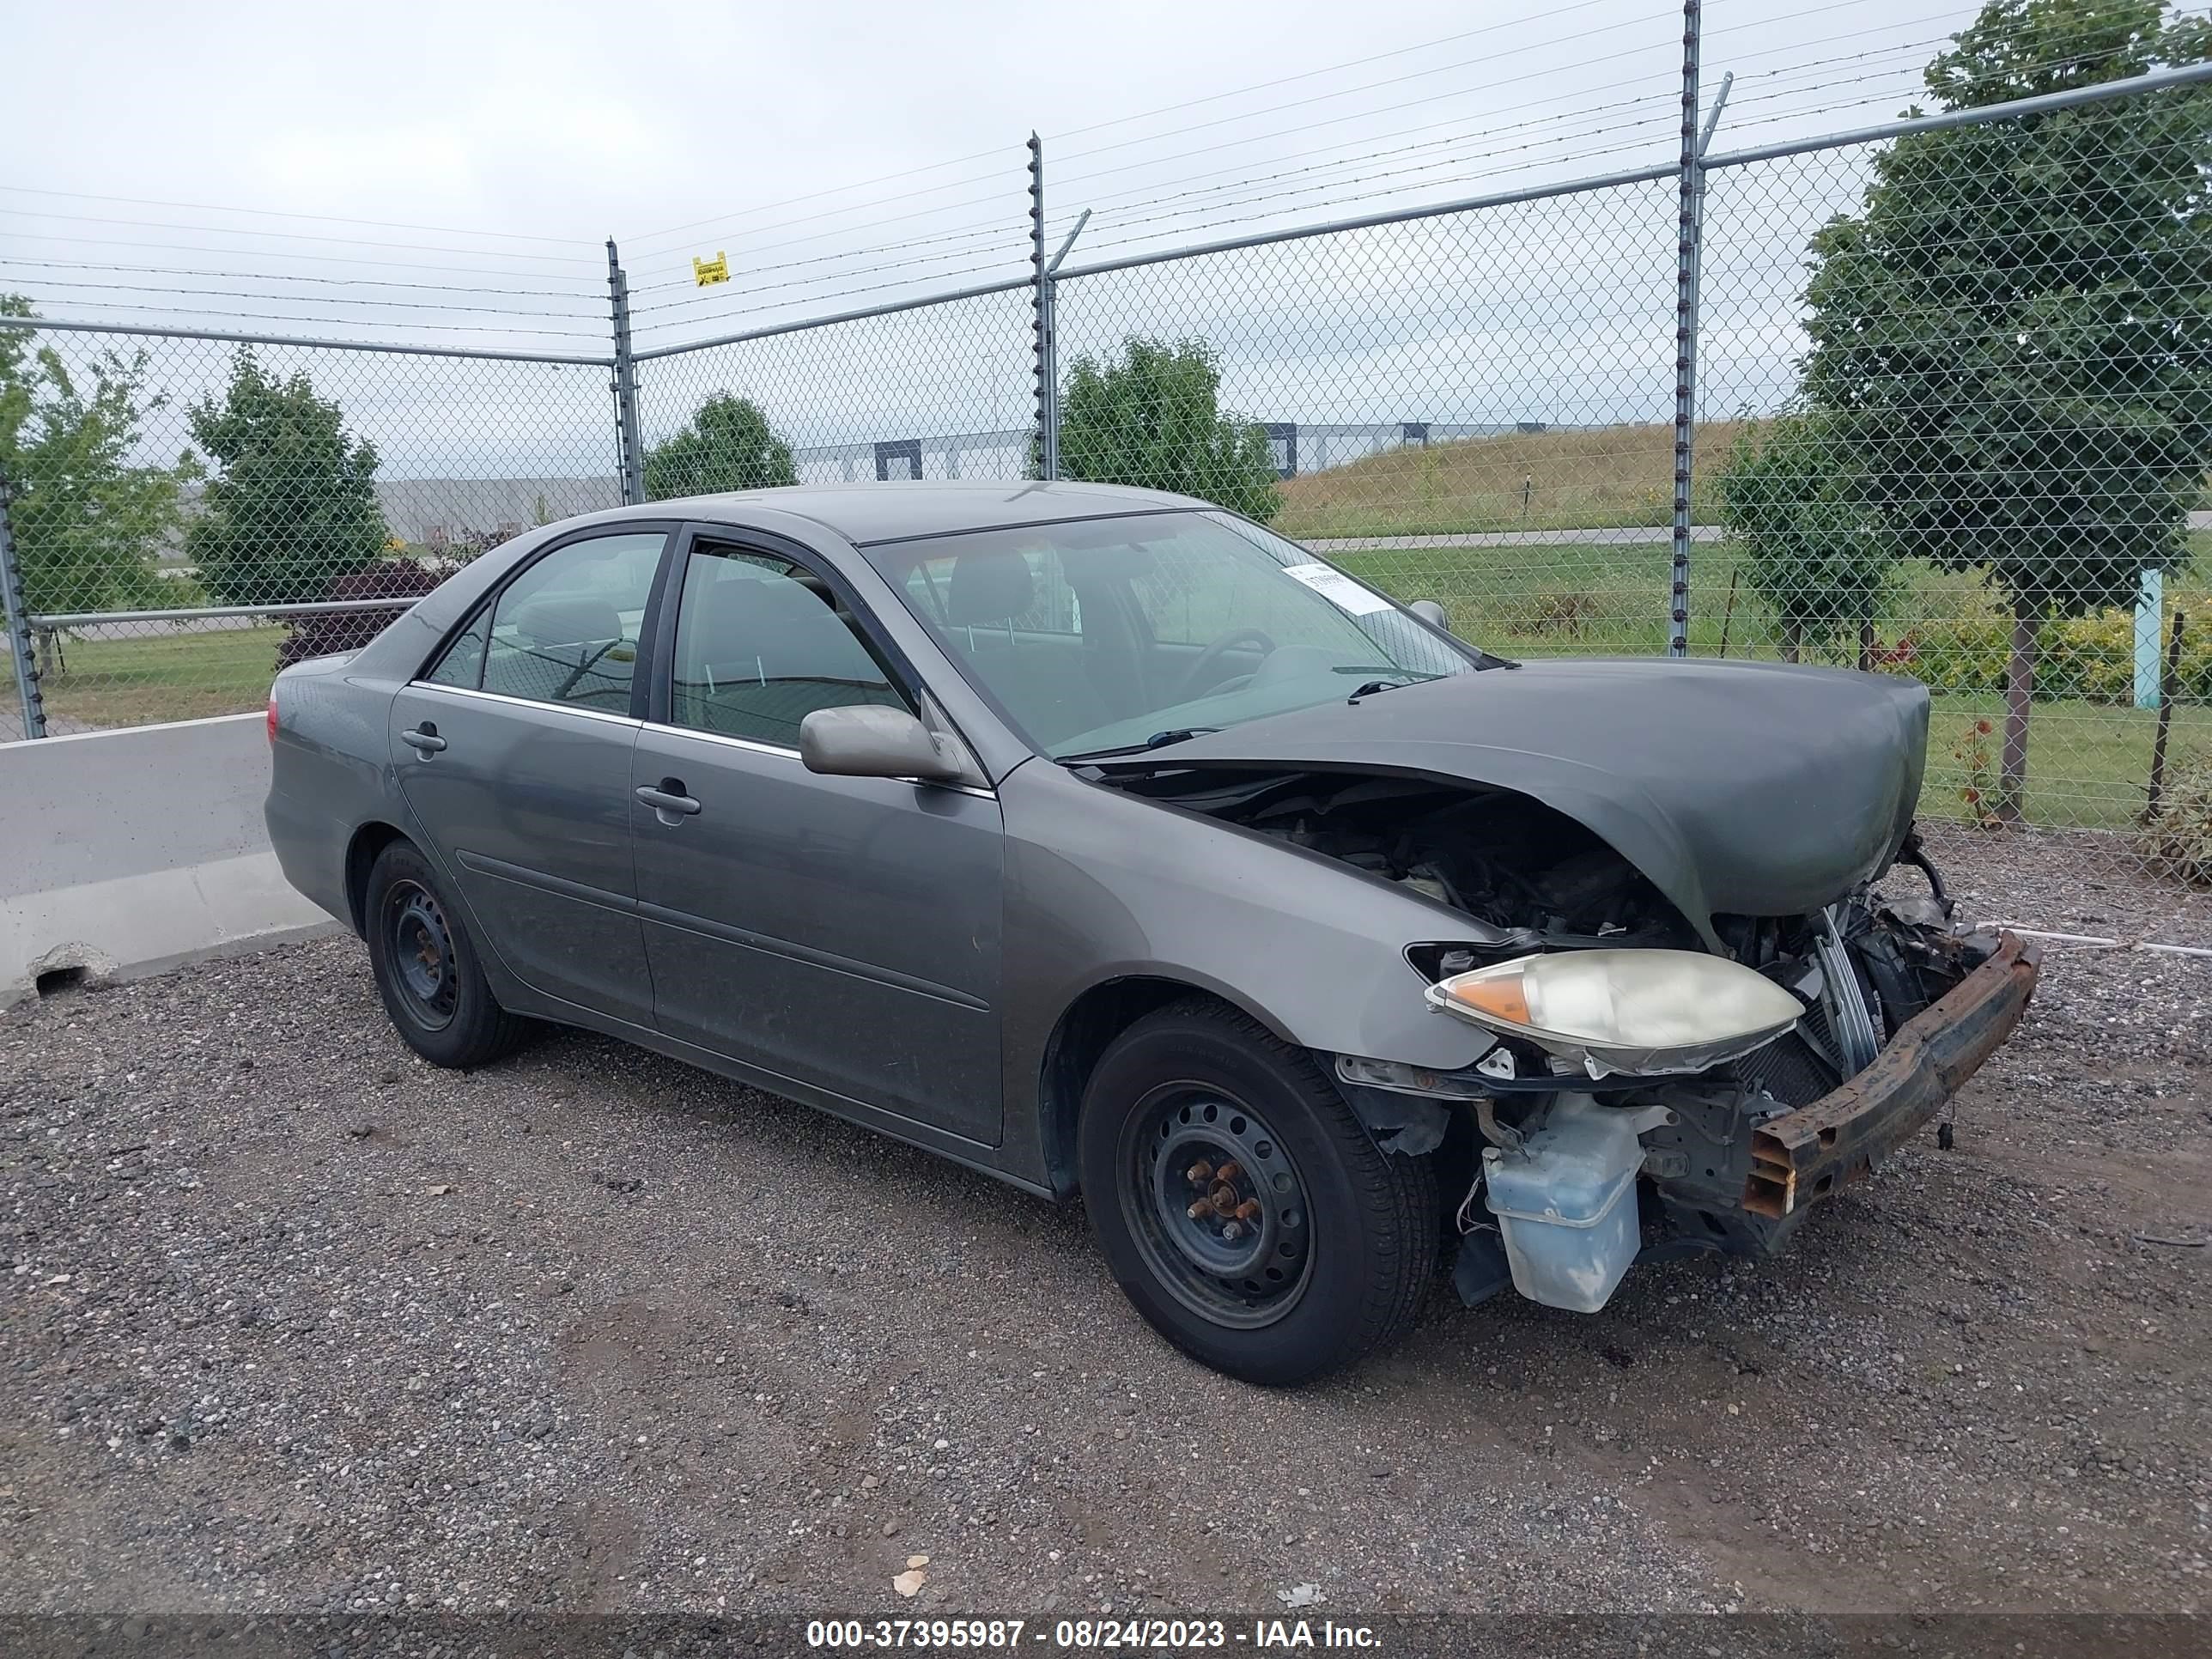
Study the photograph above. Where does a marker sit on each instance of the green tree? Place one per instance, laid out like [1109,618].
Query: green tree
[293,508]
[89,519]
[2012,340]
[728,446]
[1153,417]
[1807,543]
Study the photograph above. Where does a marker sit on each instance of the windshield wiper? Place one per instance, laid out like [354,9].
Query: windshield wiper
[1158,740]
[1370,687]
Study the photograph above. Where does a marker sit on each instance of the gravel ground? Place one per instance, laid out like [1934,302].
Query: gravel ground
[296,1322]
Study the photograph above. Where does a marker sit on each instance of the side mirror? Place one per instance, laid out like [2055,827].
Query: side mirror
[870,741]
[1431,613]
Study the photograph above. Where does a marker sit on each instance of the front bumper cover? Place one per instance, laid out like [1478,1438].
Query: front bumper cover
[1802,1157]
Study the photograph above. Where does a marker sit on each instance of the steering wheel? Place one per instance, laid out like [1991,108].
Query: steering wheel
[1208,660]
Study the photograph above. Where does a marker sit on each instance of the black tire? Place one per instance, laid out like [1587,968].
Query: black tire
[426,966]
[1334,1240]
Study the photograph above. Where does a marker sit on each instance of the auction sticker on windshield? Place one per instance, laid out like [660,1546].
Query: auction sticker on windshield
[1338,588]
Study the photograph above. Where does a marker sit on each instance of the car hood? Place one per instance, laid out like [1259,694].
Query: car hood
[1738,788]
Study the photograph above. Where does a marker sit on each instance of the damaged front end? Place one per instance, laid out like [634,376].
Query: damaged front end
[1766,989]
[1874,1011]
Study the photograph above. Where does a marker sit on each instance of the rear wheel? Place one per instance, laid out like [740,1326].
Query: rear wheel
[426,968]
[1243,1208]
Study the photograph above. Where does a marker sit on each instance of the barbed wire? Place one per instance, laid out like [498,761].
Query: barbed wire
[1208,199]
[79,240]
[1278,109]
[1201,200]
[758,289]
[598,337]
[979,235]
[1332,69]
[281,213]
[290,236]
[288,276]
[1061,183]
[1244,191]
[406,305]
[998,231]
[997,228]
[697,224]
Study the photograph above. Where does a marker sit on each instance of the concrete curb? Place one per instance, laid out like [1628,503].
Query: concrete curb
[129,926]
[134,851]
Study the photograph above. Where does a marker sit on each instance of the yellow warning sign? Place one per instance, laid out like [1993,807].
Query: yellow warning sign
[707,272]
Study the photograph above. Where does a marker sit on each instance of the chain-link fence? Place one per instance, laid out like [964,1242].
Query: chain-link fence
[942,390]
[1947,385]
[190,513]
[1964,384]
[1361,358]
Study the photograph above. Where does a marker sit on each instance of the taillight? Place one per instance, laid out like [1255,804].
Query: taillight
[272,719]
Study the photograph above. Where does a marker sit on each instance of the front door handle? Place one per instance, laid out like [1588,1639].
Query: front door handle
[424,738]
[668,799]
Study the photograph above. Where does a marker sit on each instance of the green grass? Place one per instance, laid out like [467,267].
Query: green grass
[1582,597]
[1567,478]
[2088,765]
[1578,479]
[163,677]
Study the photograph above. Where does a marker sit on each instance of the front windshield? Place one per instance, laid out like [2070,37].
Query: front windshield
[1103,635]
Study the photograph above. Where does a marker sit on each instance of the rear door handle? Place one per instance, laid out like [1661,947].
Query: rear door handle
[423,737]
[668,799]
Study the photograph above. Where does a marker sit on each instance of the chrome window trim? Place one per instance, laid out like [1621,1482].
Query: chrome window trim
[751,747]
[577,709]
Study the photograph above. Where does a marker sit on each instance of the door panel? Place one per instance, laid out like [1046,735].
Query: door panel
[530,805]
[840,931]
[513,749]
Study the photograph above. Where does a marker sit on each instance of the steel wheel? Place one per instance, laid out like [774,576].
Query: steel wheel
[428,971]
[421,944]
[1216,1207]
[1299,1246]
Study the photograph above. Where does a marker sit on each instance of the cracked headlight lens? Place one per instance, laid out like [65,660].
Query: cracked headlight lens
[1624,1010]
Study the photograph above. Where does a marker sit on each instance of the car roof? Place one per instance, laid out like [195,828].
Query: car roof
[902,509]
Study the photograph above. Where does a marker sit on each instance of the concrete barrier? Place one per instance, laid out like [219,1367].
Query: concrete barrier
[124,852]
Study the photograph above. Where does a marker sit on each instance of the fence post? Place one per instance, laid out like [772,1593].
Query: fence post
[1685,335]
[630,458]
[1047,374]
[19,628]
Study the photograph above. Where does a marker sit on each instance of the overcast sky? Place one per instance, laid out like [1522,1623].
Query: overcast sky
[500,145]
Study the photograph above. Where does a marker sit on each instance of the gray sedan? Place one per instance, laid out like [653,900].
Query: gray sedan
[1107,841]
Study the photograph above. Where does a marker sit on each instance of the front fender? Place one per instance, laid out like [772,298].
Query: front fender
[1102,885]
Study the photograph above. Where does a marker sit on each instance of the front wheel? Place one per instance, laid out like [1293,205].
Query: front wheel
[425,967]
[1243,1207]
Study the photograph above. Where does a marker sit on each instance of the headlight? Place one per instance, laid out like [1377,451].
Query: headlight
[1626,1011]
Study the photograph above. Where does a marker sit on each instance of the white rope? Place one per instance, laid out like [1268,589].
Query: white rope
[2100,942]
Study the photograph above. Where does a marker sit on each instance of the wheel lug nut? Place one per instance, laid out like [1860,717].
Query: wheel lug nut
[1233,1231]
[1199,1172]
[1229,1171]
[1201,1210]
[1248,1211]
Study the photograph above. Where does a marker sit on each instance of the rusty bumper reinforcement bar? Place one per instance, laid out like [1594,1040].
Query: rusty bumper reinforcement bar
[1805,1155]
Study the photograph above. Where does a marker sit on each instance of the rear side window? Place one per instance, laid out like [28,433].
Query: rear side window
[761,644]
[462,665]
[565,629]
